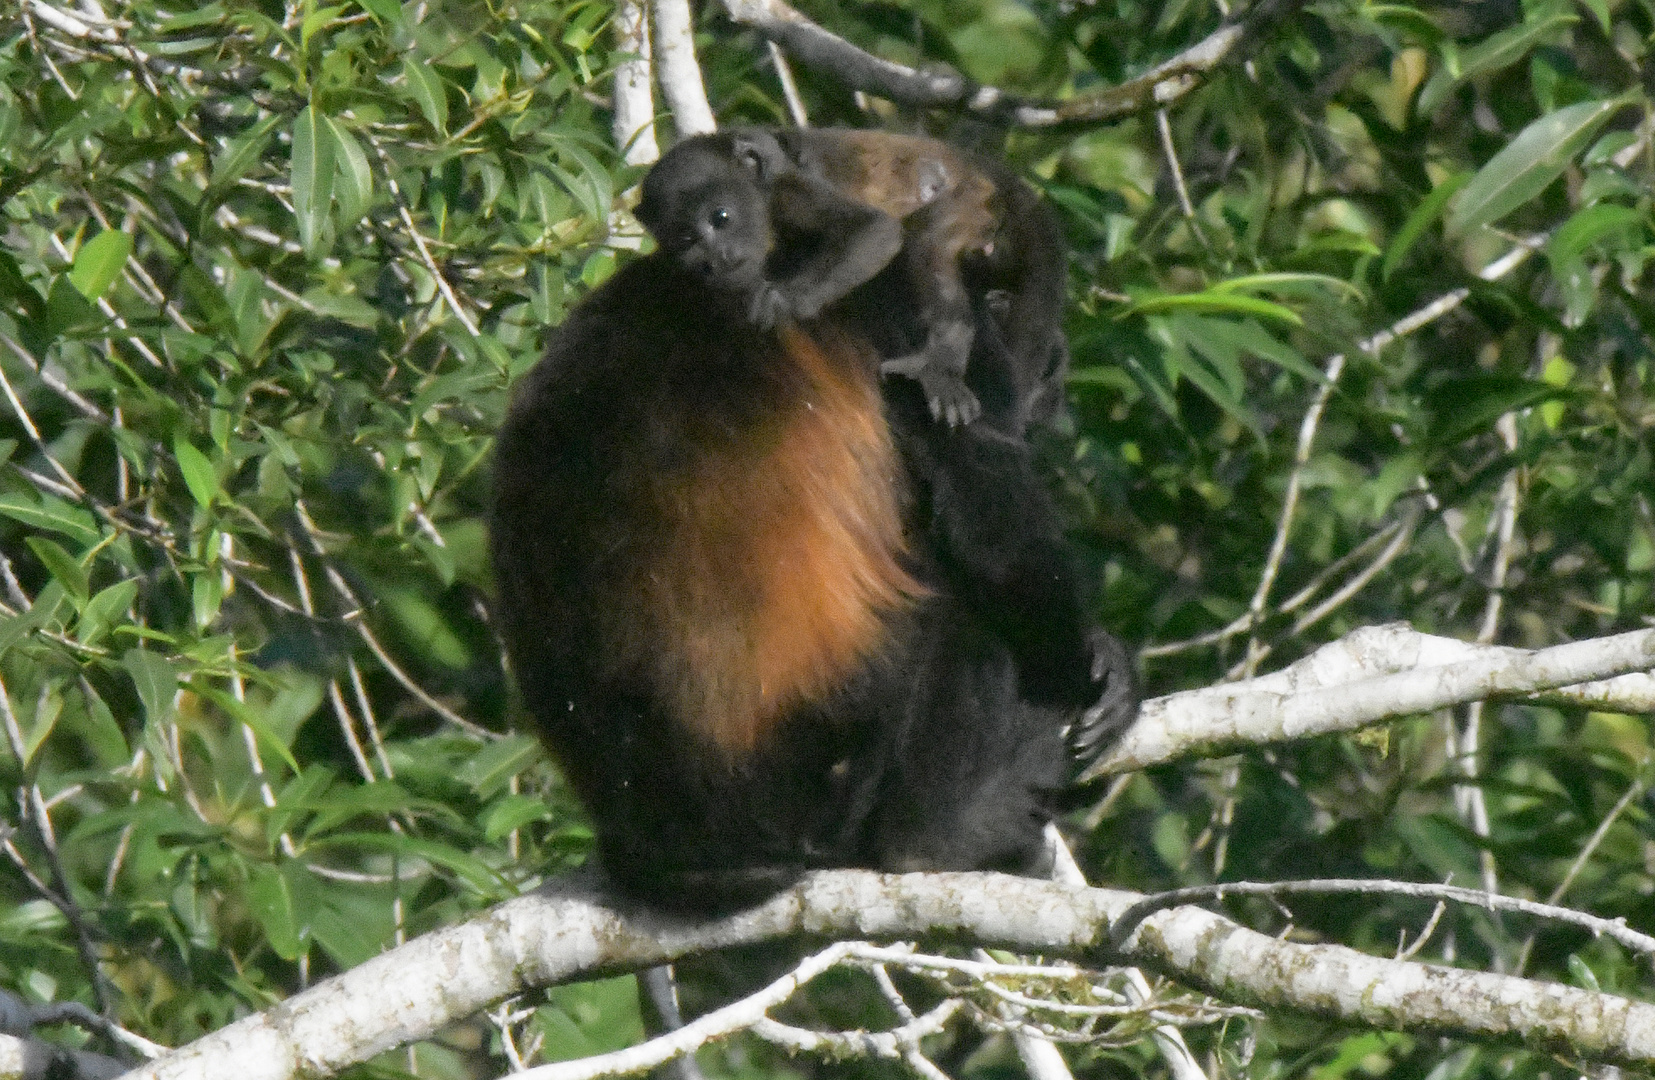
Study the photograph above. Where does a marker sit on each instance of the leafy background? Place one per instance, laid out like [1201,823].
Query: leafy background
[267,274]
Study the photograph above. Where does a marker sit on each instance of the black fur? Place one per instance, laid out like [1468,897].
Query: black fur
[943,749]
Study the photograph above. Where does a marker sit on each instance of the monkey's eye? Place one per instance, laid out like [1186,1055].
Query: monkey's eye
[719,217]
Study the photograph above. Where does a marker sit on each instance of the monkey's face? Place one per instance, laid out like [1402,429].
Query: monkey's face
[710,216]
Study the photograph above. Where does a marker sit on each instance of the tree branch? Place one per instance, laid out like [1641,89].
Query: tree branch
[410,992]
[937,87]
[1373,674]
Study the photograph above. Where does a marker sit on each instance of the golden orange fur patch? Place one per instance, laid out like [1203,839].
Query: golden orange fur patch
[782,561]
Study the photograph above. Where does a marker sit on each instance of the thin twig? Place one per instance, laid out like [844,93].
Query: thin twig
[790,87]
[1581,859]
[419,240]
[34,808]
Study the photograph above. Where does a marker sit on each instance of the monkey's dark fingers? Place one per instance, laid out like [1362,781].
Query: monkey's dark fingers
[1099,727]
[1108,654]
[950,399]
[768,308]
[1117,705]
[964,411]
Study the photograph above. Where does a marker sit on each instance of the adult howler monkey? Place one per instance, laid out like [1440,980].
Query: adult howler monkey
[758,634]
[970,227]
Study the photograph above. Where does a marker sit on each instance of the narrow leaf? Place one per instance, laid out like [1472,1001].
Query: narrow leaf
[426,88]
[102,610]
[1429,209]
[1214,302]
[256,721]
[98,262]
[62,566]
[198,472]
[1291,282]
[314,165]
[1499,51]
[1592,224]
[53,515]
[156,681]
[242,154]
[355,186]
[1528,165]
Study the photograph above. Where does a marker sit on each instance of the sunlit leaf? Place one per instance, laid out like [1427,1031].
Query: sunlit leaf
[1528,164]
[313,170]
[199,475]
[99,261]
[1290,282]
[1214,301]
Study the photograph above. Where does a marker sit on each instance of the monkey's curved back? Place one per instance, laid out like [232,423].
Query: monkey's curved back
[711,513]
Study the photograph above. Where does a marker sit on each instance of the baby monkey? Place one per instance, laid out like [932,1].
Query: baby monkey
[821,217]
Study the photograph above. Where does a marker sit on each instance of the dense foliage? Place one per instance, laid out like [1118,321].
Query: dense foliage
[267,274]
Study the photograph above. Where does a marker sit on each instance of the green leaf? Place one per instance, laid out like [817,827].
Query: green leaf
[242,154]
[67,309]
[1247,336]
[255,720]
[315,156]
[199,475]
[1214,301]
[206,597]
[426,88]
[99,261]
[156,681]
[488,771]
[1290,282]
[1528,165]
[1592,224]
[513,812]
[478,873]
[1464,407]
[102,610]
[315,21]
[270,897]
[1429,209]
[62,566]
[352,310]
[54,515]
[386,11]
[355,186]
[1498,51]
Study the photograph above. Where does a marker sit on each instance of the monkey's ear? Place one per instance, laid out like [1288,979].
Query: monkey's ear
[759,153]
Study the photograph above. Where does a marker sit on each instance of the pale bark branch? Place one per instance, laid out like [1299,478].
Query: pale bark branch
[677,69]
[1377,673]
[412,991]
[633,123]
